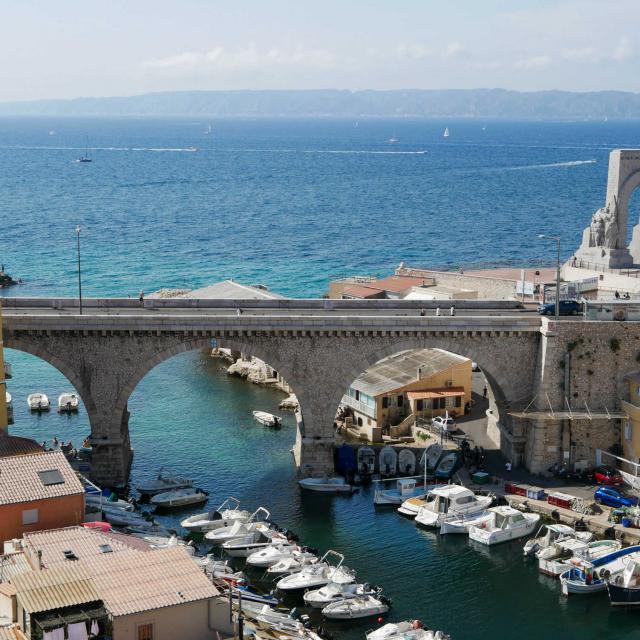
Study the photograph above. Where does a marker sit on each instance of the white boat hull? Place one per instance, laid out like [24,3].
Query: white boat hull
[322,486]
[490,536]
[354,608]
[462,525]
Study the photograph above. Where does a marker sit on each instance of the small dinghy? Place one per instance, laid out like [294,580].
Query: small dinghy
[122,518]
[292,564]
[258,520]
[68,402]
[357,607]
[462,523]
[407,462]
[326,484]
[332,592]
[251,595]
[447,465]
[366,461]
[179,498]
[317,575]
[388,461]
[505,524]
[431,456]
[406,630]
[224,516]
[38,402]
[267,419]
[450,500]
[165,481]
[547,536]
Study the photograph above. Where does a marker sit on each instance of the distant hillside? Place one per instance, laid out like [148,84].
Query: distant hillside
[473,103]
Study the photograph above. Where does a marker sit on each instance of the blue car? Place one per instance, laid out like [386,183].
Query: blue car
[567,308]
[613,498]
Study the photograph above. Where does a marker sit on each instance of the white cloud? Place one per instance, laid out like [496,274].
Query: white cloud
[533,63]
[453,50]
[582,54]
[417,51]
[623,50]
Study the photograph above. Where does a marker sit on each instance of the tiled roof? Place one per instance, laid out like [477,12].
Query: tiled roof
[144,581]
[11,633]
[362,291]
[13,564]
[50,589]
[16,446]
[229,289]
[20,482]
[398,284]
[7,589]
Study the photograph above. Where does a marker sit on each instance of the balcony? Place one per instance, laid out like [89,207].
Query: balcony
[358,406]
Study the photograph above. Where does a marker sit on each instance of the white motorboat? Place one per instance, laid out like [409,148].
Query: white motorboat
[68,402]
[326,484]
[557,559]
[179,498]
[357,607]
[97,500]
[317,575]
[447,465]
[165,481]
[333,592]
[122,518]
[462,523]
[271,554]
[292,564]
[407,462]
[448,500]
[167,542]
[624,586]
[111,507]
[430,457]
[405,630]
[411,506]
[388,461]
[224,516]
[267,419]
[505,524]
[405,488]
[366,461]
[547,536]
[38,402]
[248,544]
[258,520]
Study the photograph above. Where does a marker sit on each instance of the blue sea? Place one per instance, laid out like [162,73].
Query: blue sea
[292,204]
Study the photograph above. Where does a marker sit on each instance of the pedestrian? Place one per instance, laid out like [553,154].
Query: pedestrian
[507,466]
[452,311]
[617,295]
[484,391]
[437,311]
[238,312]
[55,441]
[422,312]
[141,296]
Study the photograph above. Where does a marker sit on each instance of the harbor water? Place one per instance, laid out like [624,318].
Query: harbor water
[290,204]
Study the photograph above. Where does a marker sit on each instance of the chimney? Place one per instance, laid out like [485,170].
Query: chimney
[40,565]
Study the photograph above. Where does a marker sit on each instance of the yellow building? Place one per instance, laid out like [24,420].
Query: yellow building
[3,384]
[631,426]
[420,383]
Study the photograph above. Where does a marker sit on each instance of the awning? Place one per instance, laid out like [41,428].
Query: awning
[569,415]
[447,392]
[53,619]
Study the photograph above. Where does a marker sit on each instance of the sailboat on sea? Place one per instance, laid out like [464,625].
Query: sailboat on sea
[393,139]
[209,130]
[86,157]
[446,133]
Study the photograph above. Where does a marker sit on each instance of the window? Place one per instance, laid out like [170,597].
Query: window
[419,405]
[30,516]
[385,402]
[145,632]
[357,395]
[53,476]
[400,401]
[627,431]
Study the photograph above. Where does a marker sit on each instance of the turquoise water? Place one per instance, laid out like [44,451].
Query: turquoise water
[265,201]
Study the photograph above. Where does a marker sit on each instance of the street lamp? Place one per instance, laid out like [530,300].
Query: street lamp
[555,239]
[79,275]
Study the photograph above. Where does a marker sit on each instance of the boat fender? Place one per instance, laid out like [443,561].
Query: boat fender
[605,574]
[555,514]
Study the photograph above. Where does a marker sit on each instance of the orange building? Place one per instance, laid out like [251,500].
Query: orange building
[38,490]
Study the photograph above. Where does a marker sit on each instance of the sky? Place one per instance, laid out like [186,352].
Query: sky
[73,48]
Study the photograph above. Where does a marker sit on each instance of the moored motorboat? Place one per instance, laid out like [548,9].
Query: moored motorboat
[122,518]
[449,500]
[505,524]
[224,516]
[271,554]
[68,402]
[357,607]
[267,419]
[447,465]
[624,586]
[292,564]
[555,560]
[38,402]
[179,498]
[462,523]
[258,520]
[366,459]
[165,481]
[388,461]
[407,462]
[405,630]
[333,592]
[317,575]
[326,484]
[405,488]
[253,541]
[548,534]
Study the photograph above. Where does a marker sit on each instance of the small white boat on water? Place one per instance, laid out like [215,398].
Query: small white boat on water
[407,462]
[446,133]
[257,520]
[462,523]
[405,630]
[388,461]
[256,540]
[446,465]
[547,536]
[68,402]
[317,575]
[267,419]
[38,402]
[97,501]
[165,481]
[553,561]
[179,498]
[449,500]
[271,554]
[224,516]
[333,592]
[167,542]
[366,461]
[326,484]
[405,488]
[505,524]
[356,607]
[292,564]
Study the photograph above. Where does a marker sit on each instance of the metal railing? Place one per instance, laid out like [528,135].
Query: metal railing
[361,407]
[593,266]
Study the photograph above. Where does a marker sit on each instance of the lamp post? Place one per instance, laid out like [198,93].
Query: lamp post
[555,239]
[79,272]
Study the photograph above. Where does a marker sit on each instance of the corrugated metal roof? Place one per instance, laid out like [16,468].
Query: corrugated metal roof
[7,589]
[14,564]
[228,289]
[401,369]
[50,589]
[19,480]
[11,633]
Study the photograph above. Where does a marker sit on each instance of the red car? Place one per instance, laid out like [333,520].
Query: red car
[607,475]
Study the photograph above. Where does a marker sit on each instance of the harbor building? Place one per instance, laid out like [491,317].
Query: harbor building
[631,425]
[391,395]
[38,489]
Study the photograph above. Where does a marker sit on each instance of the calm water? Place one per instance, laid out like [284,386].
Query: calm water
[291,204]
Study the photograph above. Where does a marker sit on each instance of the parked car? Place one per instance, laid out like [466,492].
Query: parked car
[613,498]
[607,475]
[567,308]
[444,424]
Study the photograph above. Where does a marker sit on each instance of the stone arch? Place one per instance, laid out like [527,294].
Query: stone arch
[625,191]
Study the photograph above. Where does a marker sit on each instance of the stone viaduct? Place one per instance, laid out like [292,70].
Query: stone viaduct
[552,369]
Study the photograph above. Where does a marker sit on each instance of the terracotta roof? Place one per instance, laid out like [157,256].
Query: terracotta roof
[447,392]
[20,482]
[49,589]
[16,446]
[144,581]
[362,291]
[397,284]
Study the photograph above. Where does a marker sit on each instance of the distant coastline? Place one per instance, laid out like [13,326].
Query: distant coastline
[329,103]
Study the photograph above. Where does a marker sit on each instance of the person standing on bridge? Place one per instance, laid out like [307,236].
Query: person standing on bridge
[141,296]
[422,313]
[437,311]
[452,311]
